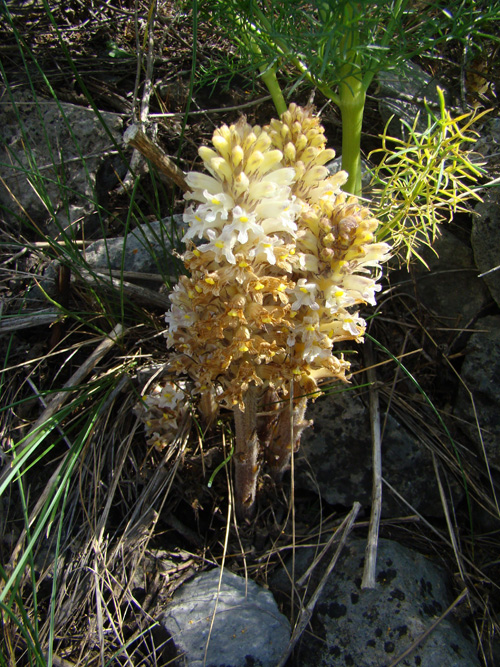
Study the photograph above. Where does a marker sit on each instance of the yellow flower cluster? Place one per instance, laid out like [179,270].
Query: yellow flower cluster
[286,259]
[161,410]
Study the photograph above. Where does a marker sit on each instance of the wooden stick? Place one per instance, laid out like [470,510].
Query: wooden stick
[141,294]
[137,139]
[368,580]
[307,611]
[41,317]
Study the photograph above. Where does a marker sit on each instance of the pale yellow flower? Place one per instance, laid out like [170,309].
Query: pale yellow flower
[288,256]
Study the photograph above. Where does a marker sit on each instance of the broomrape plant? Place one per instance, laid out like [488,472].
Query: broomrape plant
[286,262]
[286,257]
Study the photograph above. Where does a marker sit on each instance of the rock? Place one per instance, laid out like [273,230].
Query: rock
[47,133]
[397,90]
[146,249]
[371,627]
[338,451]
[480,372]
[450,287]
[248,628]
[488,140]
[486,240]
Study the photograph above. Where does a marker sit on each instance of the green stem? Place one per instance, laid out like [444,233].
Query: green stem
[352,95]
[268,75]
[352,104]
[267,70]
[264,30]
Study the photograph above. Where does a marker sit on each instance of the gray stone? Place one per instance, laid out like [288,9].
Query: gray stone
[372,627]
[486,240]
[147,249]
[248,628]
[398,88]
[47,133]
[480,373]
[488,141]
[449,287]
[336,457]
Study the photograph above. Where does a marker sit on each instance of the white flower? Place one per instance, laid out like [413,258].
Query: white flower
[312,350]
[198,224]
[198,183]
[376,253]
[264,250]
[284,208]
[282,224]
[242,223]
[354,324]
[327,188]
[363,286]
[177,317]
[315,342]
[210,215]
[307,329]
[218,206]
[336,297]
[165,397]
[308,262]
[221,245]
[304,294]
[283,176]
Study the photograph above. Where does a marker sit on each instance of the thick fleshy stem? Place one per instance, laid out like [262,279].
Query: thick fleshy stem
[352,93]
[246,455]
[286,438]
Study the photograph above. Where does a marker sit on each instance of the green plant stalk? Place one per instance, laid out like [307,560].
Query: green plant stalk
[350,100]
[352,105]
[267,71]
[352,94]
[268,76]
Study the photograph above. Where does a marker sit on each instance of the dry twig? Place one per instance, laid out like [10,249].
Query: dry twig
[307,611]
[368,580]
[137,139]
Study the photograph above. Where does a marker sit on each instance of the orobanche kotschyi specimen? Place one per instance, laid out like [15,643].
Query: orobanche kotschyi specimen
[284,260]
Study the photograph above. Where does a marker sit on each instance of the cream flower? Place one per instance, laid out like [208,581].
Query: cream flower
[361,288]
[337,297]
[210,215]
[242,223]
[270,211]
[160,411]
[264,250]
[304,294]
[221,246]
